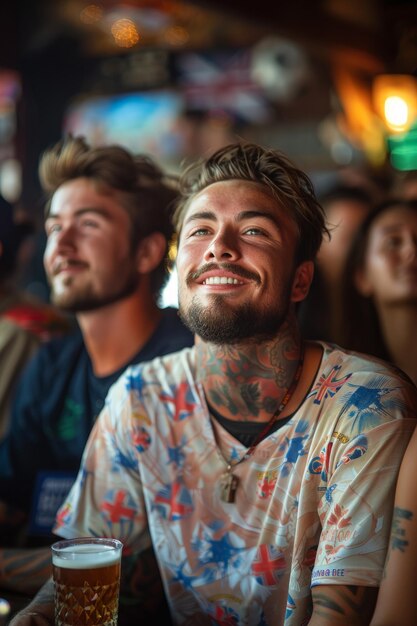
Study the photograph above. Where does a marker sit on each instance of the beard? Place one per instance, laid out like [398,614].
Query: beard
[83,299]
[221,324]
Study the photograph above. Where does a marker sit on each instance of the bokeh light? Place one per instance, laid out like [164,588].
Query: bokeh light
[91,14]
[125,33]
[396,112]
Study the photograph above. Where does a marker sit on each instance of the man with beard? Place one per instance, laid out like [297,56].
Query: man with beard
[260,467]
[108,225]
[25,321]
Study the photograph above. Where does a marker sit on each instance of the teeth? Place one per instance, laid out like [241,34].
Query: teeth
[222,280]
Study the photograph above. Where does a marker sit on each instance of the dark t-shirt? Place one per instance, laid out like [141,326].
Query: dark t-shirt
[57,401]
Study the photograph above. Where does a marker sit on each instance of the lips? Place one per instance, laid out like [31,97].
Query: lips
[67,265]
[224,274]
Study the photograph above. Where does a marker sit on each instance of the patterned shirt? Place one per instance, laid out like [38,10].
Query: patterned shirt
[313,504]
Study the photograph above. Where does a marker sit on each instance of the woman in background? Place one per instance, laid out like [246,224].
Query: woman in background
[380,317]
[380,286]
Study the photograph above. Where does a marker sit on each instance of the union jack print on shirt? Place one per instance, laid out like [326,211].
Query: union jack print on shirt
[268,565]
[174,501]
[328,385]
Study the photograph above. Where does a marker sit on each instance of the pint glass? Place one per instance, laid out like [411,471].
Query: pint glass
[86,573]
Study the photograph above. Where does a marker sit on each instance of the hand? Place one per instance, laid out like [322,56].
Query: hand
[31,618]
[40,612]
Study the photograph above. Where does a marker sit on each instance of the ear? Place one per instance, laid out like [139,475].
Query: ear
[362,284]
[302,281]
[151,251]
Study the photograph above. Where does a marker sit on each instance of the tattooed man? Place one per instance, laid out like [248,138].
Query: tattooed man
[260,467]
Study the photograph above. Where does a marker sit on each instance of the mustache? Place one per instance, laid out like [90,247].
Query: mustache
[67,263]
[230,267]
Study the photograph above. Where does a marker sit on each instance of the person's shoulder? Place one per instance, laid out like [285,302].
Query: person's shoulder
[366,370]
[363,392]
[61,349]
[174,365]
[360,361]
[160,375]
[51,366]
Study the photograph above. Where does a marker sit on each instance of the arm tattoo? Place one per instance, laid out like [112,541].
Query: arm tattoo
[398,532]
[398,539]
[344,604]
[41,609]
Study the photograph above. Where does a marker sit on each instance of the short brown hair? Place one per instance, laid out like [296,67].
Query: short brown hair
[270,168]
[146,193]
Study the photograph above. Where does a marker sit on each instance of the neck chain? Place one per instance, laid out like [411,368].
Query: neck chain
[230,481]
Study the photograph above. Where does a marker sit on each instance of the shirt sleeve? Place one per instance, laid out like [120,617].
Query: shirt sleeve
[356,508]
[107,497]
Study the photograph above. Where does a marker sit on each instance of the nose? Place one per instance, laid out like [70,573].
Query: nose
[65,238]
[223,246]
[59,243]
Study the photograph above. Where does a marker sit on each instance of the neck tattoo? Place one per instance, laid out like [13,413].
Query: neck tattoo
[230,482]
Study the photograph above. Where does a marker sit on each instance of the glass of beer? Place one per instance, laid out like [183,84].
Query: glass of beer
[86,573]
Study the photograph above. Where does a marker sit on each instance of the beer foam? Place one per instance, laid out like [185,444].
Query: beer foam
[86,556]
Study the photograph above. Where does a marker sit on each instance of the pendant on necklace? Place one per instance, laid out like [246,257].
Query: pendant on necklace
[229,486]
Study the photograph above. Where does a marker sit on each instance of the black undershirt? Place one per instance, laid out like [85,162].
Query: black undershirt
[245,432]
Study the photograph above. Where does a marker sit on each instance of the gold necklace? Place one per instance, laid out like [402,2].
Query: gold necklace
[230,482]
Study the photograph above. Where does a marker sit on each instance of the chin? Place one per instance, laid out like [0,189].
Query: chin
[221,324]
[71,302]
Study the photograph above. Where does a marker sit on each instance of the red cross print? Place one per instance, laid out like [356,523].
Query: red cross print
[268,564]
[223,618]
[329,384]
[181,406]
[117,509]
[173,499]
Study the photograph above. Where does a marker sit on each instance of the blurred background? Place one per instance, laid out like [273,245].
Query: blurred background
[330,82]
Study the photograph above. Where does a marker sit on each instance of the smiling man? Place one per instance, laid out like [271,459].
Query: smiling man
[108,225]
[232,302]
[259,467]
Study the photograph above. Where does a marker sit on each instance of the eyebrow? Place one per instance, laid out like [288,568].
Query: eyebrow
[392,228]
[243,215]
[79,212]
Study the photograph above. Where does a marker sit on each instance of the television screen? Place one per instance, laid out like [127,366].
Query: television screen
[145,122]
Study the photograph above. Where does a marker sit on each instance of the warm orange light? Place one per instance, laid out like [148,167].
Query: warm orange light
[358,121]
[125,33]
[395,100]
[91,14]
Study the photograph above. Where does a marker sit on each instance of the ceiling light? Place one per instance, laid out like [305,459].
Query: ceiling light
[395,100]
